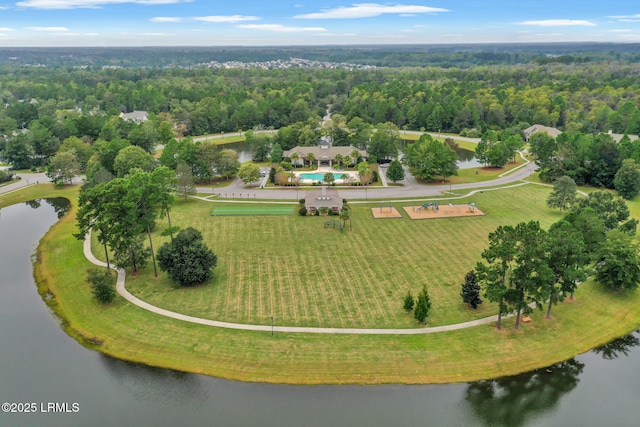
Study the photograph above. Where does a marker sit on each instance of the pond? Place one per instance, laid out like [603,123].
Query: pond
[39,363]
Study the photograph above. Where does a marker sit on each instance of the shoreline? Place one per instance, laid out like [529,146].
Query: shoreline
[319,359]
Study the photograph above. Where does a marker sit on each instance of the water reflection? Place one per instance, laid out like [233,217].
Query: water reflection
[33,204]
[149,383]
[511,401]
[465,155]
[60,205]
[619,347]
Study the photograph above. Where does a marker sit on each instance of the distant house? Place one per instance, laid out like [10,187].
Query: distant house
[324,198]
[552,132]
[618,136]
[136,116]
[324,154]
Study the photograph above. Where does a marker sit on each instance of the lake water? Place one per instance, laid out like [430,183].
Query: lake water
[39,363]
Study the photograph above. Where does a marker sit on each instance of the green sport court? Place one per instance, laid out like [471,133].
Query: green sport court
[251,210]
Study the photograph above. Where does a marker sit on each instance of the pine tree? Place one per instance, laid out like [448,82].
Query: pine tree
[423,305]
[408,301]
[471,290]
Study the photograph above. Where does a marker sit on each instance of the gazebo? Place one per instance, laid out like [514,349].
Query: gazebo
[315,200]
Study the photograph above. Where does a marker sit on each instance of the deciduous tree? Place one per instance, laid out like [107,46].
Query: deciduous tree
[618,266]
[627,179]
[187,259]
[563,195]
[395,172]
[63,167]
[185,186]
[249,173]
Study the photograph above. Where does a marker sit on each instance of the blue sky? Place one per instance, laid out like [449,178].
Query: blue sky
[323,22]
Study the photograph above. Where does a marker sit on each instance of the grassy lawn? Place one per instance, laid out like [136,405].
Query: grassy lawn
[125,331]
[427,255]
[305,275]
[222,140]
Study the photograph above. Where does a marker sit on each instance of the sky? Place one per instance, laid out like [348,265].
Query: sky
[321,22]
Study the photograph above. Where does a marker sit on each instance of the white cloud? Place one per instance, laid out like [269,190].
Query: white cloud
[218,19]
[49,29]
[636,16]
[280,28]
[369,10]
[88,4]
[6,29]
[164,19]
[630,20]
[336,35]
[559,23]
[155,34]
[620,31]
[75,34]
[629,37]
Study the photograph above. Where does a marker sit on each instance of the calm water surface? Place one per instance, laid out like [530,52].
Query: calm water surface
[40,363]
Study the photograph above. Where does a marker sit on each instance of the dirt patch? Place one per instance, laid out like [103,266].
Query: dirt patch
[386,212]
[444,211]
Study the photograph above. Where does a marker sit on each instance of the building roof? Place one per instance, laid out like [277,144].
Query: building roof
[324,198]
[323,152]
[553,132]
[618,136]
[136,116]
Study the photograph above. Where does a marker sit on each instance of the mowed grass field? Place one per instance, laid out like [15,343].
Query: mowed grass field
[302,274]
[128,332]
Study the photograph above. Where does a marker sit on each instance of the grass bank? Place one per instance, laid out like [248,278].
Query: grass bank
[128,332]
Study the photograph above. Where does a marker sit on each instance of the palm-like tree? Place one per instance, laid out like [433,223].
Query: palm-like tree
[339,158]
[310,158]
[355,155]
[294,158]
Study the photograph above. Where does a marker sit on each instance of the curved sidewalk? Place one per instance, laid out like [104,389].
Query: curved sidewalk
[120,287]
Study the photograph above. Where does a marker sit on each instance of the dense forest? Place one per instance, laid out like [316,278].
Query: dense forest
[77,107]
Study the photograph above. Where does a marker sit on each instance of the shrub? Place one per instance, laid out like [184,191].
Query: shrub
[302,211]
[102,286]
[408,301]
[5,176]
[286,165]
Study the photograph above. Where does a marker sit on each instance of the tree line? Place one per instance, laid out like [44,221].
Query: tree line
[46,106]
[526,266]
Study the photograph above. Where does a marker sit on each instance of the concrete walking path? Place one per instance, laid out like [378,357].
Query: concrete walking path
[122,290]
[519,175]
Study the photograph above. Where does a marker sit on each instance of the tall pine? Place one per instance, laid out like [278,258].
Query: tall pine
[423,305]
[471,290]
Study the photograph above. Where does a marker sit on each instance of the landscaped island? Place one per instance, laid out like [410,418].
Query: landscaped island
[284,263]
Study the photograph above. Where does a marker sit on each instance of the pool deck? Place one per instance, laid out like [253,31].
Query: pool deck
[321,171]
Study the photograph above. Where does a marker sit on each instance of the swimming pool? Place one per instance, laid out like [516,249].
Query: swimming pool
[319,176]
